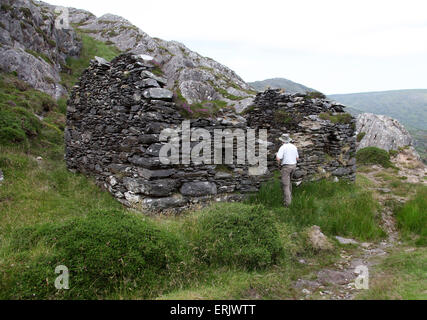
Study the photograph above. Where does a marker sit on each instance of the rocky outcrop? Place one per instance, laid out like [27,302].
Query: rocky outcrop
[382,132]
[33,47]
[323,133]
[190,75]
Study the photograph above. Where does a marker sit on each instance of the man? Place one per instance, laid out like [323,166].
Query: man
[287,158]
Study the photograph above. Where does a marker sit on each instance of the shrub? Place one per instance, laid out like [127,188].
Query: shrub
[237,235]
[104,252]
[412,217]
[374,155]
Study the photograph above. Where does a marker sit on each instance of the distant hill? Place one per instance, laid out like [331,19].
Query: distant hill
[280,83]
[407,106]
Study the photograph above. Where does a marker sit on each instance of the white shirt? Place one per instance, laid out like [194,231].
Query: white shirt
[288,153]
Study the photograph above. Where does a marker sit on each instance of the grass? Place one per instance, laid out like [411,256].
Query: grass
[337,208]
[402,275]
[107,250]
[39,55]
[90,49]
[343,118]
[19,105]
[412,217]
[50,216]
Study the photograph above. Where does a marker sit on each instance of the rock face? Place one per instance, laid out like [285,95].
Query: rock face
[194,77]
[323,133]
[382,132]
[33,47]
[114,119]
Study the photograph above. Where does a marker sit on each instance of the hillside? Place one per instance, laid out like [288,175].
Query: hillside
[50,216]
[280,83]
[407,106]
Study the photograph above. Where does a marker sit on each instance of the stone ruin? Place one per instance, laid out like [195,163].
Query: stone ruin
[323,133]
[117,111]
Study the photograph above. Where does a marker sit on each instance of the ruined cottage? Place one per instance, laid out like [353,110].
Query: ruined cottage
[119,111]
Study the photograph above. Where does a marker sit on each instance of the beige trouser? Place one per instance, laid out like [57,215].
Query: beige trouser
[287,171]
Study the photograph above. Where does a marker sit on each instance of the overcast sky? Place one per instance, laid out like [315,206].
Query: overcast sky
[333,46]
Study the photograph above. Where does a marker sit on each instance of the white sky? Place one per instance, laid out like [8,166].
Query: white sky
[333,46]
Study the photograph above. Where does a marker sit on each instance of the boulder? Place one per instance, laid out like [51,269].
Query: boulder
[382,132]
[318,240]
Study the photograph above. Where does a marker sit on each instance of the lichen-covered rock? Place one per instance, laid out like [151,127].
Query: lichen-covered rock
[32,45]
[196,78]
[382,132]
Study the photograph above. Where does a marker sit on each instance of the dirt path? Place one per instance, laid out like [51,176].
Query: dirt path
[338,282]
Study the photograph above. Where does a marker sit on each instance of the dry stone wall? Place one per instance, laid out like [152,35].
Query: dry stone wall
[117,111]
[322,131]
[114,118]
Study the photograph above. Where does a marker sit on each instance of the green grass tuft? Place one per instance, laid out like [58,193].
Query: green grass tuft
[374,155]
[237,235]
[90,49]
[412,217]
